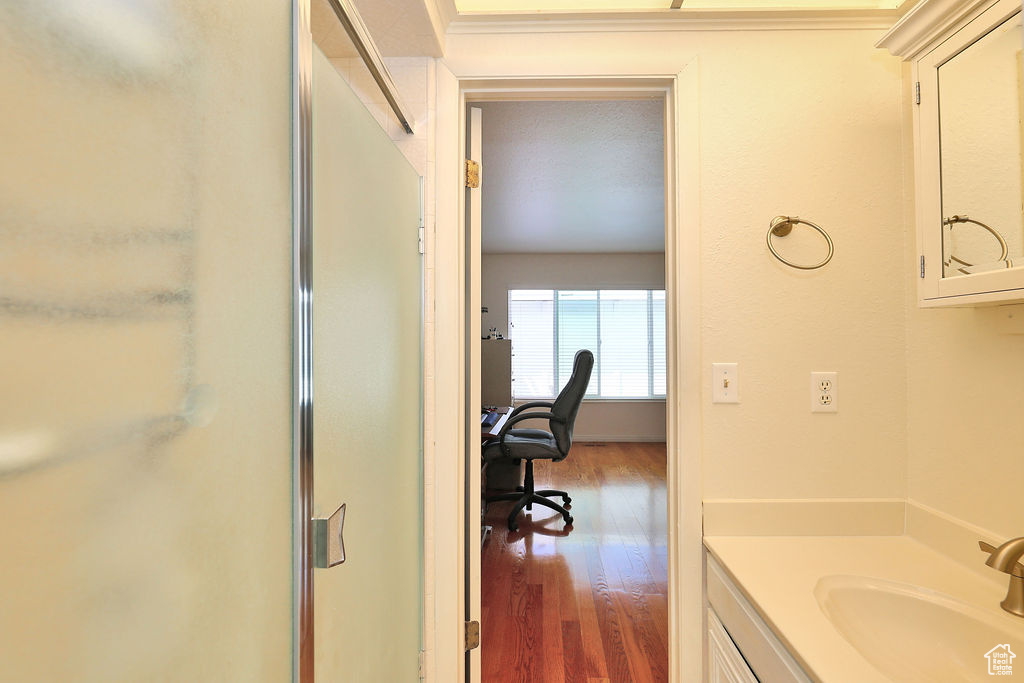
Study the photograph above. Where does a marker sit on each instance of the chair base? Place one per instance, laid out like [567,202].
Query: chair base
[526,496]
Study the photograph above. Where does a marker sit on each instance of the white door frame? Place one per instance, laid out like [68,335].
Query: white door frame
[446,537]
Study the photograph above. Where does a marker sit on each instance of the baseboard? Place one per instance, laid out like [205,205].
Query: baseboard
[952,537]
[804,517]
[943,533]
[619,438]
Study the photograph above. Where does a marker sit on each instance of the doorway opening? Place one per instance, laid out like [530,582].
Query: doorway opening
[566,252]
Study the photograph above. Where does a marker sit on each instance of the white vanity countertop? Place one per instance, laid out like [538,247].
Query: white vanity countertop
[778,575]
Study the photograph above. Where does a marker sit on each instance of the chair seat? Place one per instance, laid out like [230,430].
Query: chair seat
[527,444]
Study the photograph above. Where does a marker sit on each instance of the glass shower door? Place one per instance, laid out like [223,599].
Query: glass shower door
[367,284]
[145,341]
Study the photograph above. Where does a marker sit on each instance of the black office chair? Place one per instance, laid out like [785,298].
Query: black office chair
[537,444]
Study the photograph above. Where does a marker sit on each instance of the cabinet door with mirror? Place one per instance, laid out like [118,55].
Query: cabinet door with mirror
[969,83]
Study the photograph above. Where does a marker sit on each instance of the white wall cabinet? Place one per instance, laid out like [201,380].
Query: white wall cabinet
[968,148]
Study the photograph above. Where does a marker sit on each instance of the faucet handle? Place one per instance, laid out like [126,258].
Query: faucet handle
[1018,569]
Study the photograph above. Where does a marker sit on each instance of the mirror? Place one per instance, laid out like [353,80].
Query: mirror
[981,103]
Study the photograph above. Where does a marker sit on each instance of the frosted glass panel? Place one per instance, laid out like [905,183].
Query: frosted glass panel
[145,324]
[366,362]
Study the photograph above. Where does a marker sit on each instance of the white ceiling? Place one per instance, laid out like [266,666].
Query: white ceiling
[328,33]
[403,28]
[571,177]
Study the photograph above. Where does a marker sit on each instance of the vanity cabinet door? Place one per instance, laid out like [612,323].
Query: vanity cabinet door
[725,663]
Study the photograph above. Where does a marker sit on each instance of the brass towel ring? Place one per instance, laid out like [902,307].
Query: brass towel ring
[782,226]
[952,220]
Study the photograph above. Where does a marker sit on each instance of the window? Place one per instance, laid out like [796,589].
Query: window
[625,329]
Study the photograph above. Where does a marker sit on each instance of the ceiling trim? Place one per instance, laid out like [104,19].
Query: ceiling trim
[470,23]
[441,13]
[922,23]
[446,10]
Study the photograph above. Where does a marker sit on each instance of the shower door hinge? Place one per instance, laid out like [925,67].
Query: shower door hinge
[917,92]
[472,174]
[472,631]
[922,266]
[421,239]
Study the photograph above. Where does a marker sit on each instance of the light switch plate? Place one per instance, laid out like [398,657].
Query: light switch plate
[824,392]
[725,383]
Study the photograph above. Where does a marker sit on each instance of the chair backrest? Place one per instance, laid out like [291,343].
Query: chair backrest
[569,399]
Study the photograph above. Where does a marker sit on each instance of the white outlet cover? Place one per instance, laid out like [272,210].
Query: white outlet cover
[824,392]
[725,383]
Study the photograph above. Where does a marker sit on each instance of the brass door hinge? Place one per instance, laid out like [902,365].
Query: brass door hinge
[472,174]
[472,635]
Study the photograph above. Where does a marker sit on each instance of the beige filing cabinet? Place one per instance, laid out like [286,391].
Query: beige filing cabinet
[496,372]
[496,390]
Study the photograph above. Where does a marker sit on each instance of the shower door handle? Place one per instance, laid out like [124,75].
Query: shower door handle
[328,540]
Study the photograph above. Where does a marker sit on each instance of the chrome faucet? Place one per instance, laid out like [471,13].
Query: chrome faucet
[1006,558]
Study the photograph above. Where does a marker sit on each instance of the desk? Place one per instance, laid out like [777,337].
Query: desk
[486,434]
[492,432]
[504,475]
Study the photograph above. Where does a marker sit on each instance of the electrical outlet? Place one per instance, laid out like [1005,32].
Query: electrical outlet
[725,383]
[824,392]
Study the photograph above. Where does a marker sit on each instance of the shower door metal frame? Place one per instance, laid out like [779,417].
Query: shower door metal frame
[302,343]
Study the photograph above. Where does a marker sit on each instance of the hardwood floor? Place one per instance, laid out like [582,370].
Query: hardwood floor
[587,604]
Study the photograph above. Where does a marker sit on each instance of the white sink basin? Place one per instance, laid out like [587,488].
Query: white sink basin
[913,634]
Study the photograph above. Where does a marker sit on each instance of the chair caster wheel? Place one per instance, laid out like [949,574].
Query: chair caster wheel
[568,521]
[566,500]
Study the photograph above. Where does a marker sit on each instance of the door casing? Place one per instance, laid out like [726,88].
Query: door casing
[446,523]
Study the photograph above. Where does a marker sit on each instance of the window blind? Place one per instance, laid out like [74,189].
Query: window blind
[531,328]
[625,329]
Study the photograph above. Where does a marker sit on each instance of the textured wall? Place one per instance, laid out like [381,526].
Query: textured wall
[824,145]
[966,389]
[965,384]
[804,123]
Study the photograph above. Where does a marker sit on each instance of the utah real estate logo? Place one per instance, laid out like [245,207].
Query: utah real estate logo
[1000,660]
